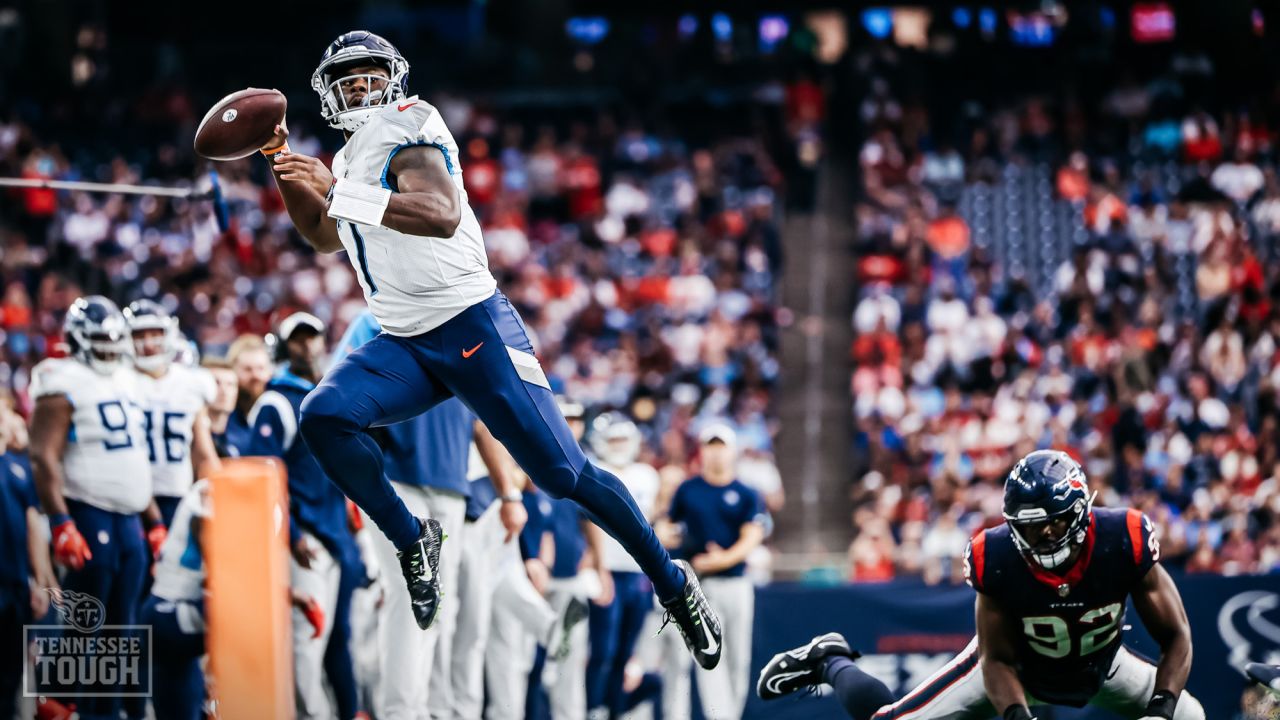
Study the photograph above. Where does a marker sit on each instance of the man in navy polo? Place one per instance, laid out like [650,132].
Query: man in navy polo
[722,520]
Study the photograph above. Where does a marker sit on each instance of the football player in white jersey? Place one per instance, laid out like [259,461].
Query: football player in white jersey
[615,627]
[395,201]
[174,399]
[89,457]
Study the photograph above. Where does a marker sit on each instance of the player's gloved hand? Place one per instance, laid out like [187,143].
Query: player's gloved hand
[156,537]
[354,520]
[69,546]
[314,614]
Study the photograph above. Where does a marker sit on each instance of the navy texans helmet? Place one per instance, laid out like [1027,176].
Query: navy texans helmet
[153,353]
[96,333]
[1044,486]
[358,48]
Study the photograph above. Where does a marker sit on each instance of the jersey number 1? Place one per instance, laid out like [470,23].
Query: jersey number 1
[1050,635]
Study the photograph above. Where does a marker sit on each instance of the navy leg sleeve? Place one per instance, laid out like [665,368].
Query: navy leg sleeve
[859,693]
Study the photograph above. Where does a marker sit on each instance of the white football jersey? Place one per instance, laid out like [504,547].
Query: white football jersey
[412,284]
[105,462]
[180,569]
[170,404]
[642,482]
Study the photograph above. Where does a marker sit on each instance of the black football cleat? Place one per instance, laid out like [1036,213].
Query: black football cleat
[1268,676]
[800,668]
[696,621]
[420,564]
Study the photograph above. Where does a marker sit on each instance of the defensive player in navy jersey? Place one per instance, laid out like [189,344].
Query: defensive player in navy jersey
[395,201]
[1052,585]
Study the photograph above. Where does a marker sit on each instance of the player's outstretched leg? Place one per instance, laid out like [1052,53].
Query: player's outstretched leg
[484,356]
[825,659]
[379,383]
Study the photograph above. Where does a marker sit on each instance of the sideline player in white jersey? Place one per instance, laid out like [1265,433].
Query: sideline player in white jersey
[616,626]
[174,399]
[395,201]
[89,457]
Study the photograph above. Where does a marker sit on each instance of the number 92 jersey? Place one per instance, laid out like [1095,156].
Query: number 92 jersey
[170,404]
[1069,626]
[105,462]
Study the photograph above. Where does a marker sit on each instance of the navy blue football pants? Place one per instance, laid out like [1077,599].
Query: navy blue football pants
[484,357]
[114,576]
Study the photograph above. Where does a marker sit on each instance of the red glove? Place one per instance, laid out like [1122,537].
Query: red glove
[69,546]
[353,517]
[315,615]
[155,537]
[48,709]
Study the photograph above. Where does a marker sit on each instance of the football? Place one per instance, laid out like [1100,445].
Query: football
[240,123]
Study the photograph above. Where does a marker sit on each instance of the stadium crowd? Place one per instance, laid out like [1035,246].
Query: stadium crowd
[1094,273]
[645,267]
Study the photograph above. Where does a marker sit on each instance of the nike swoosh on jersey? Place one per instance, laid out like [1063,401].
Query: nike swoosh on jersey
[468,353]
[406,106]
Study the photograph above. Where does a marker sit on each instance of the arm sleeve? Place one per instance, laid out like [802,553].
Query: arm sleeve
[975,558]
[1144,546]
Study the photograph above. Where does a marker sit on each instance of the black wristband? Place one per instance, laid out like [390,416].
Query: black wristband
[1162,704]
[1018,712]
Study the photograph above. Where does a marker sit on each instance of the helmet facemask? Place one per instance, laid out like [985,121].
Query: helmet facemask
[105,350]
[1051,556]
[331,82]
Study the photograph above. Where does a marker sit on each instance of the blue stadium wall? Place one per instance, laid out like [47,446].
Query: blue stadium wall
[908,630]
